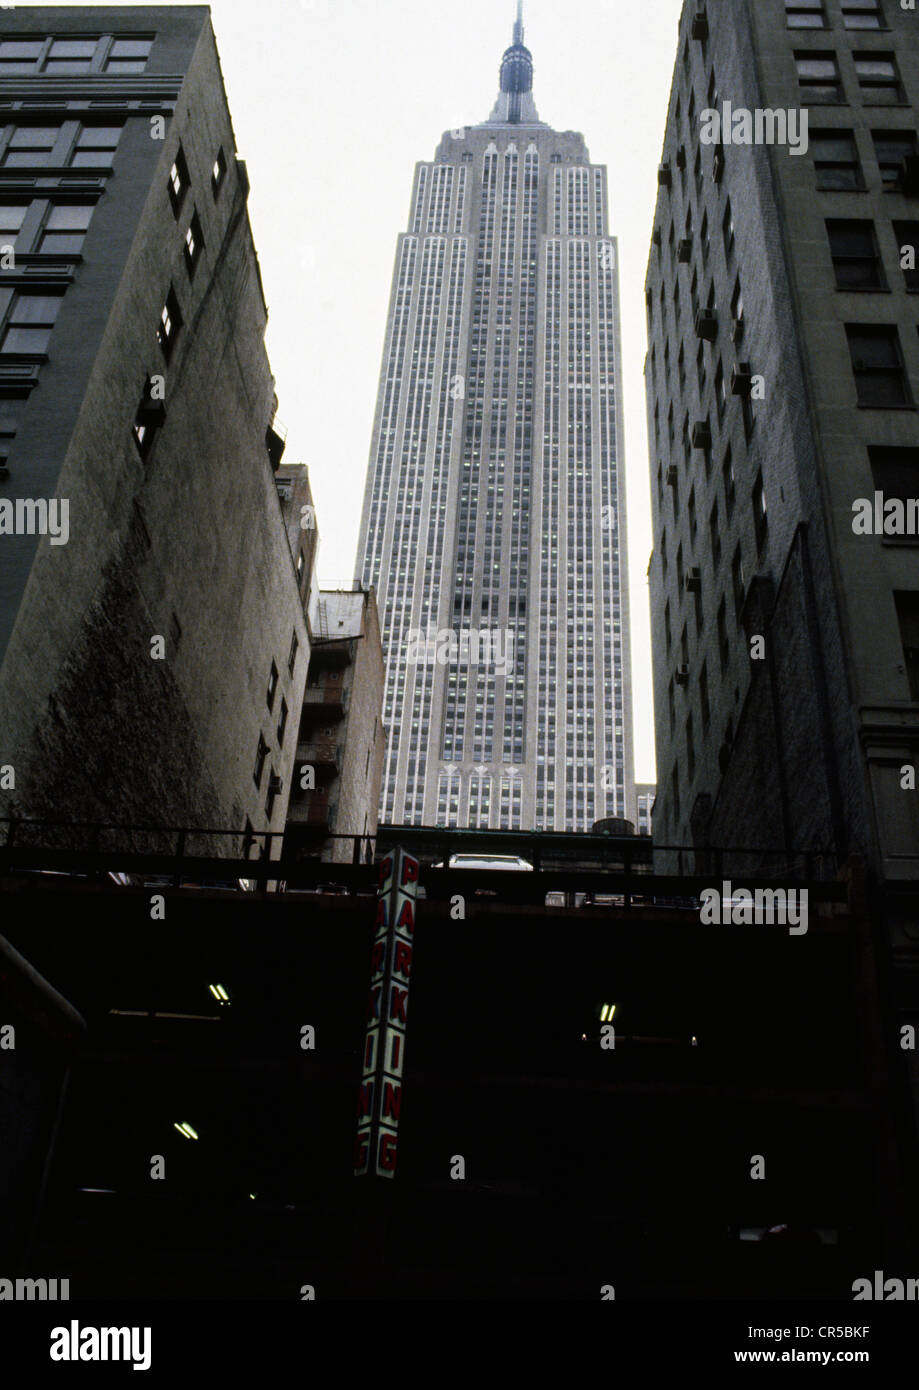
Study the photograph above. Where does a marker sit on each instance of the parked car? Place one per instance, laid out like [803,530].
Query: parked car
[511,862]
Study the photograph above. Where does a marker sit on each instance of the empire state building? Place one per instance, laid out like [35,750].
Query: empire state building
[494,519]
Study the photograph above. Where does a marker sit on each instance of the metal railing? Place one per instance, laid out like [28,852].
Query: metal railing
[622,866]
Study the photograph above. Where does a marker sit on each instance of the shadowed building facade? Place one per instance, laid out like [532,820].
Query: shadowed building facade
[144,661]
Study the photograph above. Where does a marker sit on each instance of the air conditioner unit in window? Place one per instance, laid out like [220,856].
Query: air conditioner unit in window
[693,580]
[672,475]
[741,379]
[707,325]
[701,435]
[663,176]
[699,28]
[684,251]
[681,675]
[737,327]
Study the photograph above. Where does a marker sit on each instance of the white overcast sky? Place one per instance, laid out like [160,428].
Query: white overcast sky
[333,102]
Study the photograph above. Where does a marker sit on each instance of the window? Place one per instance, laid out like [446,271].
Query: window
[690,750]
[893,148]
[301,565]
[721,399]
[194,244]
[908,618]
[179,181]
[760,523]
[68,56]
[260,756]
[272,686]
[30,321]
[282,721]
[151,413]
[170,323]
[218,173]
[703,696]
[737,582]
[11,218]
[805,14]
[65,229]
[96,146]
[272,794]
[724,642]
[19,56]
[878,79]
[896,474]
[836,160]
[294,648]
[727,474]
[878,365]
[691,510]
[714,531]
[31,145]
[727,230]
[128,55]
[862,14]
[907,234]
[818,74]
[737,303]
[854,249]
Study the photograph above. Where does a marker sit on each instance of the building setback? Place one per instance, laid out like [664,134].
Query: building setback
[143,662]
[494,510]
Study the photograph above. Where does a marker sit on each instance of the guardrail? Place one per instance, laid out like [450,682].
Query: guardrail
[598,865]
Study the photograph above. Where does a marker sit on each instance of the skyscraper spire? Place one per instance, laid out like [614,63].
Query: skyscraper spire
[515,105]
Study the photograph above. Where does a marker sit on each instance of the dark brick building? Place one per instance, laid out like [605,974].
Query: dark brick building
[136,680]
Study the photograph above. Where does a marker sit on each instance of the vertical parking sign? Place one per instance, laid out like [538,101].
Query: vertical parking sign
[380,1100]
